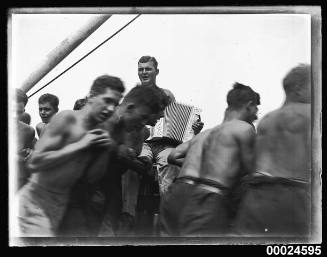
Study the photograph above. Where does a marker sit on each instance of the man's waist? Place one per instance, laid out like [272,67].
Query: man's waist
[47,187]
[163,140]
[204,183]
[261,176]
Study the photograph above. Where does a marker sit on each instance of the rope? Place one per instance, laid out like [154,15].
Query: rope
[86,55]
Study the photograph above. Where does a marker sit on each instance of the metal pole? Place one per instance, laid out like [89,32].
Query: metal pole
[61,51]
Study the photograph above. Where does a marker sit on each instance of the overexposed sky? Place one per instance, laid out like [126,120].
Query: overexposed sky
[200,56]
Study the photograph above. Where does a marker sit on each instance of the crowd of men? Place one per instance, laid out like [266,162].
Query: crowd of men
[85,174]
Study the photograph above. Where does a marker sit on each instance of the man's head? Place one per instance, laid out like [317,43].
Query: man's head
[105,94]
[243,99]
[48,106]
[166,98]
[297,84]
[148,70]
[79,104]
[26,118]
[139,105]
[21,101]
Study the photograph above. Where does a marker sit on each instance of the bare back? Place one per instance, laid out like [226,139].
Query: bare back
[192,163]
[283,144]
[226,153]
[25,135]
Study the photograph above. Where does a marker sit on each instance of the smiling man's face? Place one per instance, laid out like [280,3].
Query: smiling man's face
[147,73]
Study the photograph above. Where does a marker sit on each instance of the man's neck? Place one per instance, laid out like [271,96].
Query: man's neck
[88,121]
[291,101]
[150,85]
[233,115]
[116,121]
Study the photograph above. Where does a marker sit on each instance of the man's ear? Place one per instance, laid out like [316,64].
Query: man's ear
[249,104]
[157,72]
[89,98]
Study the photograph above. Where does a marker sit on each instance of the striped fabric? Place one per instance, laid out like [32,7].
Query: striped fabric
[177,123]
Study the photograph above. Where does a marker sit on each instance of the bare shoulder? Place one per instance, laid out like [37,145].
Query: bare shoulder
[268,121]
[240,127]
[294,118]
[28,130]
[65,116]
[243,130]
[40,125]
[62,120]
[232,129]
[168,93]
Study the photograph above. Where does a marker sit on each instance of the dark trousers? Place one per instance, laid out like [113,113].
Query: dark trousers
[85,212]
[273,207]
[188,210]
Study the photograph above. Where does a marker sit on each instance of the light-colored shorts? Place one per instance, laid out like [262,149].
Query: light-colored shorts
[40,210]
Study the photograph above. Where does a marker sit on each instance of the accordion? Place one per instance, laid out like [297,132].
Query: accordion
[176,123]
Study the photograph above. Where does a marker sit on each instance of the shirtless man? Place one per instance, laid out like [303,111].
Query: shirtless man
[197,202]
[61,156]
[25,138]
[48,106]
[158,149]
[26,118]
[276,198]
[126,128]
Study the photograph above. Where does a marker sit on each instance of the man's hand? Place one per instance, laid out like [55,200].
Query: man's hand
[197,126]
[125,152]
[26,153]
[147,163]
[96,137]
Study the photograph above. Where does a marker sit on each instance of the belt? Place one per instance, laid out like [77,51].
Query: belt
[200,185]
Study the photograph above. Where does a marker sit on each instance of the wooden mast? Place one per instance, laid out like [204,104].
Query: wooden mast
[61,51]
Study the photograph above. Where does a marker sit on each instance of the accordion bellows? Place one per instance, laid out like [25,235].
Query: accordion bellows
[176,123]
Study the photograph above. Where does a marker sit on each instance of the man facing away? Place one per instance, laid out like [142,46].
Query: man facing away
[25,138]
[61,156]
[48,106]
[275,200]
[197,203]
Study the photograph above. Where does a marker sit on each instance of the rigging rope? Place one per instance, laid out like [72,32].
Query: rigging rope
[85,55]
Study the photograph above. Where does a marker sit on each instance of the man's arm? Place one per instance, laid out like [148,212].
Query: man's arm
[197,125]
[39,129]
[50,149]
[29,134]
[30,137]
[178,154]
[246,139]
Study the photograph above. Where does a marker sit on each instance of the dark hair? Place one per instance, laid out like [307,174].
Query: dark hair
[79,104]
[49,98]
[298,76]
[152,97]
[240,95]
[21,97]
[100,84]
[147,58]
[164,98]
[26,118]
